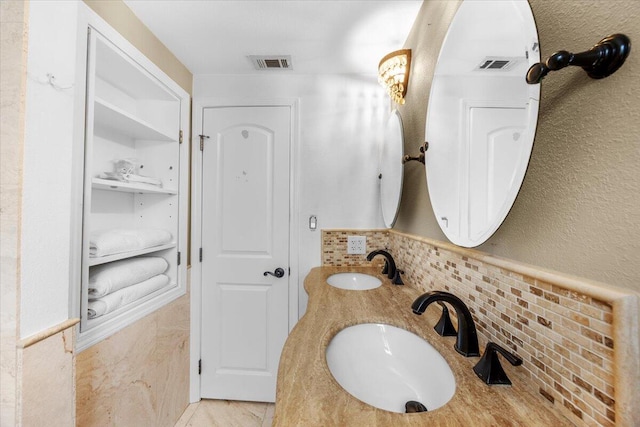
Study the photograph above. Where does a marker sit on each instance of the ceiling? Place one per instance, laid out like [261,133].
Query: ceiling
[322,36]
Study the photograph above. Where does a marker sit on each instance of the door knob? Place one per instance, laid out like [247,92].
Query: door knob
[278,273]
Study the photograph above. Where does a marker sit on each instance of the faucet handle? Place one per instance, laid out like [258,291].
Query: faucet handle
[397,280]
[385,269]
[445,327]
[489,368]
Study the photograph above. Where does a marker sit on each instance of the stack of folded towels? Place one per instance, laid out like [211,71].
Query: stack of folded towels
[120,240]
[118,283]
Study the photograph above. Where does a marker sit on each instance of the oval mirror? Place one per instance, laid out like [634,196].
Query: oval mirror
[481,118]
[391,168]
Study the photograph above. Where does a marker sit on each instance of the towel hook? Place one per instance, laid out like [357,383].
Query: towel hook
[600,61]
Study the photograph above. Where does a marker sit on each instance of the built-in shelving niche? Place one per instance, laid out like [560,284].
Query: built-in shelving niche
[134,112]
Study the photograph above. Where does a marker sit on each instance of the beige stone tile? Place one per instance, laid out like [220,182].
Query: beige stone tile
[8,378]
[12,11]
[140,375]
[11,139]
[175,316]
[11,153]
[591,311]
[187,414]
[11,129]
[171,369]
[9,221]
[12,66]
[136,405]
[116,378]
[226,413]
[268,416]
[8,295]
[11,39]
[48,381]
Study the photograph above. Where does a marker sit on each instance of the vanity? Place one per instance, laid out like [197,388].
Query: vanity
[308,395]
[480,128]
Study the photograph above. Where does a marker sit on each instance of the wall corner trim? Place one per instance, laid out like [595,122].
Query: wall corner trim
[43,335]
[626,356]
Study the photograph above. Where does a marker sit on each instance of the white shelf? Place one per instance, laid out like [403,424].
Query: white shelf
[116,67]
[127,187]
[115,257]
[133,110]
[110,117]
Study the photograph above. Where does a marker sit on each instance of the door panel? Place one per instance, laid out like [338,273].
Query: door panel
[246,350]
[245,232]
[247,188]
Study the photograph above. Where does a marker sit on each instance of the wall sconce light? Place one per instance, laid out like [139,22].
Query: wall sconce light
[393,74]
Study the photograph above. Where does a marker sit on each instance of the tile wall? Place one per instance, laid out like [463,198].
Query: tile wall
[46,378]
[140,375]
[13,40]
[565,337]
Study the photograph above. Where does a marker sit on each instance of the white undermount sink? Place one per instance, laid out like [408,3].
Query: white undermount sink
[353,281]
[386,367]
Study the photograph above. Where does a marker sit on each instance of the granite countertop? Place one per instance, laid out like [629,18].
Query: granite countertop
[308,395]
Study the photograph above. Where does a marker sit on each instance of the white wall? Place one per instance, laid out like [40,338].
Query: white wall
[341,122]
[47,181]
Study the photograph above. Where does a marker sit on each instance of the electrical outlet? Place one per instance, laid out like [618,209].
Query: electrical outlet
[356,244]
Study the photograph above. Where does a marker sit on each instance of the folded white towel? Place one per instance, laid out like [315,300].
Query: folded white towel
[109,303]
[131,177]
[110,277]
[115,241]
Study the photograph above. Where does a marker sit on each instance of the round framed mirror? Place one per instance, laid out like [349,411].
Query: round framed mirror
[391,168]
[481,118]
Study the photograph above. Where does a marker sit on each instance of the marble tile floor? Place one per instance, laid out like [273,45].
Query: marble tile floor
[227,413]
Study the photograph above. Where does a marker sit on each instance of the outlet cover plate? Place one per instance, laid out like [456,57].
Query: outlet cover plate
[356,245]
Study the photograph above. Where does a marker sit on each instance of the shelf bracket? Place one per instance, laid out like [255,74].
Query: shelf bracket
[180,137]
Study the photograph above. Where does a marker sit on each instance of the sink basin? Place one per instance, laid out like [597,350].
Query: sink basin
[386,367]
[354,281]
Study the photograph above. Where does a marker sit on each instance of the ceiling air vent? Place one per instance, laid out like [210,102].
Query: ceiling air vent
[495,63]
[271,62]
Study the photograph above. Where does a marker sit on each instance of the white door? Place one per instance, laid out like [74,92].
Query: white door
[495,140]
[245,235]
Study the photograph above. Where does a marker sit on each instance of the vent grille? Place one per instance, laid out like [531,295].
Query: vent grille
[271,62]
[494,63]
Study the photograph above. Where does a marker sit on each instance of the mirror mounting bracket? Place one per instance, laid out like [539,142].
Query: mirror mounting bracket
[423,149]
[600,61]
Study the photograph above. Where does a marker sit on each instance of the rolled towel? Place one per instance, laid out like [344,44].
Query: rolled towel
[107,278]
[119,240]
[111,302]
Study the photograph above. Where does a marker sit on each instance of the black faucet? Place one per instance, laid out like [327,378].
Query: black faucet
[390,266]
[467,341]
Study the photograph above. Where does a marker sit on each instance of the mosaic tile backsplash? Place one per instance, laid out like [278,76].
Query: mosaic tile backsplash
[565,338]
[334,246]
